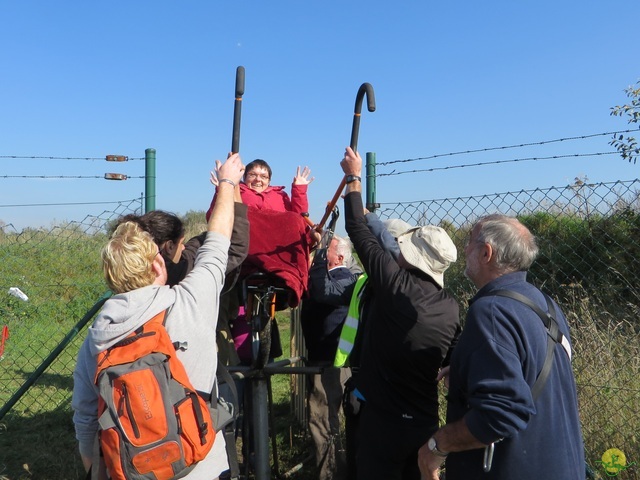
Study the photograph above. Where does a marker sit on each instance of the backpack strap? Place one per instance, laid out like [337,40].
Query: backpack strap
[554,335]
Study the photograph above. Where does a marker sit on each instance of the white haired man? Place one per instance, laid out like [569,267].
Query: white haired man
[502,423]
[331,285]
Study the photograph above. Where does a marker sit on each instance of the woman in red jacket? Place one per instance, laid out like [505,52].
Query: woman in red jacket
[256,190]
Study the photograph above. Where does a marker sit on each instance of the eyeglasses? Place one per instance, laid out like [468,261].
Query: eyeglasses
[261,176]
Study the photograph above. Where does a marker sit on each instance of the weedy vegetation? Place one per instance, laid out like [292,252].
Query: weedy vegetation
[589,263]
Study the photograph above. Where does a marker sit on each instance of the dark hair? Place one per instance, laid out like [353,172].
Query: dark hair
[258,162]
[161,225]
[131,217]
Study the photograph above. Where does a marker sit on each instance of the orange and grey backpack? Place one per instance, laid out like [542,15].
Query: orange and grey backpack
[153,423]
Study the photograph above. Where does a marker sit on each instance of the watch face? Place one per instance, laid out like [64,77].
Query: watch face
[432,444]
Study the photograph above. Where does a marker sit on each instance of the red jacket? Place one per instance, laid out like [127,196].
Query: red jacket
[283,252]
[272,198]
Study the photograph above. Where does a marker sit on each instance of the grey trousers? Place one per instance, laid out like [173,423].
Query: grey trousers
[325,402]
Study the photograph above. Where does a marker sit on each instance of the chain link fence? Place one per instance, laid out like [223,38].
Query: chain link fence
[588,236]
[50,279]
[589,239]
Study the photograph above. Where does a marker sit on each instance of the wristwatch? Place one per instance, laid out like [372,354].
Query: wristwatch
[352,178]
[433,446]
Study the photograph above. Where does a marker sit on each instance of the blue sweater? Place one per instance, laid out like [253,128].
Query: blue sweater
[496,362]
[324,312]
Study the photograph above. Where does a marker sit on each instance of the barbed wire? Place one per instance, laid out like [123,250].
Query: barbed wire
[611,185]
[35,157]
[495,162]
[71,203]
[66,176]
[506,147]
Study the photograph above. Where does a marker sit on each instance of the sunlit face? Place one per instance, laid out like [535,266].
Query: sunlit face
[472,252]
[333,258]
[257,179]
[173,250]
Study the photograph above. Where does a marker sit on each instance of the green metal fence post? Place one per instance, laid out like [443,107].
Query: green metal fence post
[150,179]
[371,182]
[53,355]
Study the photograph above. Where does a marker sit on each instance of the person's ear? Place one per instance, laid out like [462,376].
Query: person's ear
[487,253]
[158,265]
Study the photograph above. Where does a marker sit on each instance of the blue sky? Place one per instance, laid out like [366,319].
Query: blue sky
[86,79]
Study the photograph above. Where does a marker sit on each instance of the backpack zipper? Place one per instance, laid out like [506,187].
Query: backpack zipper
[127,403]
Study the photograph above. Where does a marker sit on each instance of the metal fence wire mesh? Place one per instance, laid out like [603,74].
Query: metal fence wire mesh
[589,239]
[58,271]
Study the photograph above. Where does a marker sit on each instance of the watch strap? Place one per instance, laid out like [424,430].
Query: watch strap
[433,446]
[352,178]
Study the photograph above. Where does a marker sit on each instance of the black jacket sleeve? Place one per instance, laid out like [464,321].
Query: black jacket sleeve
[381,267]
[239,247]
[238,250]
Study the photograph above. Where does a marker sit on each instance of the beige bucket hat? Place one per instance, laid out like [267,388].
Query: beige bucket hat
[396,227]
[429,249]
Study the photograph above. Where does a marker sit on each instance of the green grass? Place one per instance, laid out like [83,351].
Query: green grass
[37,439]
[606,361]
[292,440]
[40,446]
[60,271]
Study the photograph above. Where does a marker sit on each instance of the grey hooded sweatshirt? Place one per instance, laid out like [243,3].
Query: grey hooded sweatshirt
[192,312]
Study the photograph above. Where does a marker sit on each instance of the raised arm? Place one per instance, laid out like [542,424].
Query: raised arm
[229,174]
[385,239]
[301,181]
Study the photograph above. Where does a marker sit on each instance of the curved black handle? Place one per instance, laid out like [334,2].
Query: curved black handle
[237,110]
[365,89]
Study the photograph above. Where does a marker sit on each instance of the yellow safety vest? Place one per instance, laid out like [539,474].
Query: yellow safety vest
[350,326]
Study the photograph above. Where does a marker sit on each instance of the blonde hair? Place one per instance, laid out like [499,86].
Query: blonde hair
[128,257]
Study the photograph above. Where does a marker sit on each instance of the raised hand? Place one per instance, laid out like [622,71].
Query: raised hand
[302,178]
[213,178]
[351,163]
[230,171]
